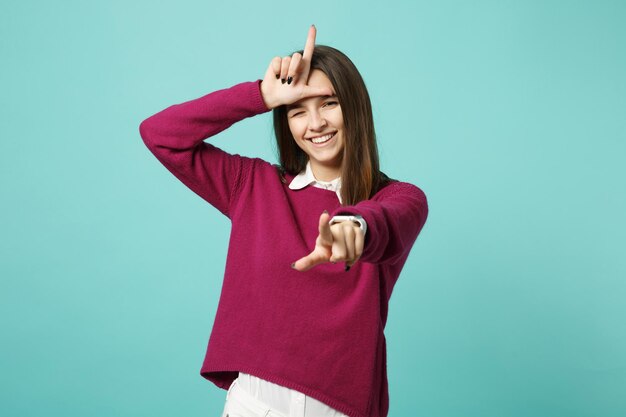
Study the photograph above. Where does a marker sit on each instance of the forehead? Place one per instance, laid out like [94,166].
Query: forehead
[317,78]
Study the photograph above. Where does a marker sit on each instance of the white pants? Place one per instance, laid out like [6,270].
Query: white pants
[241,403]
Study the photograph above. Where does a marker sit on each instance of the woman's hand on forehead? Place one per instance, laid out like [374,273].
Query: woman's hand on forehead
[285,80]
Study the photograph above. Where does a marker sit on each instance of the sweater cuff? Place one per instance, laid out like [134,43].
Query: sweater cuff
[258,98]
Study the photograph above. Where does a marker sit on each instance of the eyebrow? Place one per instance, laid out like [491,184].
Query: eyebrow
[320,98]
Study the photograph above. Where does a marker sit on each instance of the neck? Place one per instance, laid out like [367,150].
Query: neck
[325,173]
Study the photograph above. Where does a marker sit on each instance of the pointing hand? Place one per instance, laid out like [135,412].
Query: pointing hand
[340,242]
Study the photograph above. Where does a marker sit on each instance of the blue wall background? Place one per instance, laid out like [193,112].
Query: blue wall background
[510,115]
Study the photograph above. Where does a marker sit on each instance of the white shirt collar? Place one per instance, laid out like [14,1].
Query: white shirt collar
[306,177]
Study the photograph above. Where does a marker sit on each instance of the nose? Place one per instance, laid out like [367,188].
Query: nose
[316,121]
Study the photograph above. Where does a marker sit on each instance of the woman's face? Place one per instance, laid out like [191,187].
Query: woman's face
[316,124]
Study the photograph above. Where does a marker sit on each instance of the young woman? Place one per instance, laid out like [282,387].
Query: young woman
[317,241]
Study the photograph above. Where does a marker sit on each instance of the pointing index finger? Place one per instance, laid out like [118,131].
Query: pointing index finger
[310,44]
[305,263]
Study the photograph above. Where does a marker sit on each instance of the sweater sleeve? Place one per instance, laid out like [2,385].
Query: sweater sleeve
[395,217]
[176,138]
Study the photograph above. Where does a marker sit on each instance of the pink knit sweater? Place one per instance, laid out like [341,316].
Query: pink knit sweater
[319,332]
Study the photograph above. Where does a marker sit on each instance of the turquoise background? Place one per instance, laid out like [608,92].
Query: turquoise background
[510,115]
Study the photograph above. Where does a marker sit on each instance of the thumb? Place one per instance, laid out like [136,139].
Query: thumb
[310,91]
[324,228]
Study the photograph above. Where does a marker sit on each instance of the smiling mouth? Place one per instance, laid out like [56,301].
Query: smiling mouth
[322,139]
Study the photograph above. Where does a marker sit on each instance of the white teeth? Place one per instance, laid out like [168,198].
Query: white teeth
[322,139]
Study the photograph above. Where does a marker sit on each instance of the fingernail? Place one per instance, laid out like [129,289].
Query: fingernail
[326,211]
[347,267]
[282,80]
[293,265]
[289,80]
[277,76]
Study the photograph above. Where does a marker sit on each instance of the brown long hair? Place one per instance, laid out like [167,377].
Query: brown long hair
[360,176]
